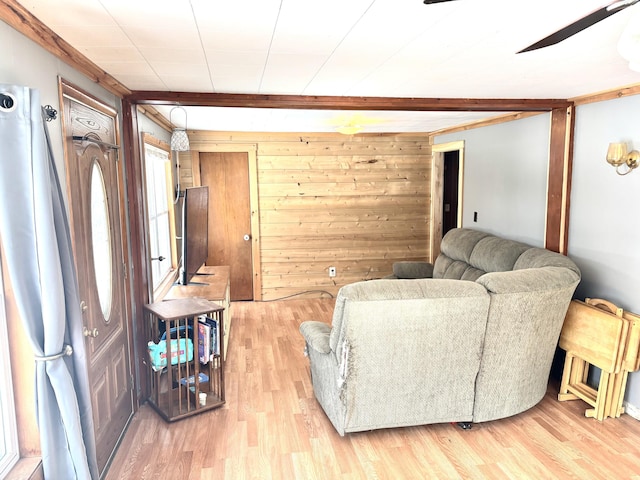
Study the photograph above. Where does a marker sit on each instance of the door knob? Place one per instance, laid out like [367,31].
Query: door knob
[90,333]
[247,237]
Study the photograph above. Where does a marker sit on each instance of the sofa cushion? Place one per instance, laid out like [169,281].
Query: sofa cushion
[459,243]
[540,257]
[469,254]
[448,268]
[493,254]
[455,255]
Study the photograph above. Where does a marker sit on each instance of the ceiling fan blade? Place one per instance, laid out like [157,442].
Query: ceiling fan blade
[579,25]
[429,2]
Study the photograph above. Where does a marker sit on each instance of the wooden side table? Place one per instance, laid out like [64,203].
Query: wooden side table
[182,382]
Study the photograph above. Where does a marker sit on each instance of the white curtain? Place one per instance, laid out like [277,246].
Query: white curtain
[35,238]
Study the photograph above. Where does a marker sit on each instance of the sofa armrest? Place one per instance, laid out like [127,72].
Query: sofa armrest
[410,270]
[316,334]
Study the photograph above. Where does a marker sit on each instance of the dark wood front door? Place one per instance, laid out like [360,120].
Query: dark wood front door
[95,183]
[227,176]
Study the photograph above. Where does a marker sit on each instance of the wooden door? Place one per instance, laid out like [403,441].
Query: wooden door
[94,178]
[227,176]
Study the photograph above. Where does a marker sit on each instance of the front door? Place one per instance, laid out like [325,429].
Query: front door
[95,186]
[227,176]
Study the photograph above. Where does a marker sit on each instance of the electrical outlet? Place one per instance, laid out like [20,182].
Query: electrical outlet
[332,271]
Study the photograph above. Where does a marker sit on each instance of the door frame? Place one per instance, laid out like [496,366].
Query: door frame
[251,149]
[437,192]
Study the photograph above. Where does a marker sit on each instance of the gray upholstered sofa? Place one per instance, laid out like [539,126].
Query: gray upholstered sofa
[473,343]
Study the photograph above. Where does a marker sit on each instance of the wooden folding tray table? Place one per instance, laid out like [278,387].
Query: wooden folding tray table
[598,333]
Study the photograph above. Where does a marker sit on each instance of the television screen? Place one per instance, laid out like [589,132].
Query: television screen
[195,231]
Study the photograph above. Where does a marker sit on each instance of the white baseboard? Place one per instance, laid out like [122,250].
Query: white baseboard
[632,410]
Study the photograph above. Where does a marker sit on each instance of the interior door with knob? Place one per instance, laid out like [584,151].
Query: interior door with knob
[227,176]
[94,183]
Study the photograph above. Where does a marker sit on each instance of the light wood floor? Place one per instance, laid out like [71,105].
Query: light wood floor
[272,428]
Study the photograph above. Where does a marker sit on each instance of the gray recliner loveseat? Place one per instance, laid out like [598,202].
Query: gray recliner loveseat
[473,343]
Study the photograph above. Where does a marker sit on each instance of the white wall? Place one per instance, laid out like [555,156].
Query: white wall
[25,63]
[146,125]
[505,177]
[506,184]
[604,227]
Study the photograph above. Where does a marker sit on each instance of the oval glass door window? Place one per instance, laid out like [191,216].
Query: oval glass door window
[101,240]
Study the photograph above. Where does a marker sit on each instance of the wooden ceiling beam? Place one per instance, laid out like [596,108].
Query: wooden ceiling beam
[22,20]
[313,102]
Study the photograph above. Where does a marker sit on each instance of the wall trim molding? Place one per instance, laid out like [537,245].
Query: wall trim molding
[631,410]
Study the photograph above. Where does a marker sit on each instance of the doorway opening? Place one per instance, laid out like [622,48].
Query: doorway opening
[447,181]
[450,190]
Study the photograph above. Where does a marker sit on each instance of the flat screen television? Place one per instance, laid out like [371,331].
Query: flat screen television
[195,232]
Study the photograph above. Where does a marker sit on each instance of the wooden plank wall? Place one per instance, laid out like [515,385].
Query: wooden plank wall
[357,203]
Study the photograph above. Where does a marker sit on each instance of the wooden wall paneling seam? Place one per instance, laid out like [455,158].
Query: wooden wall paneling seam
[559,179]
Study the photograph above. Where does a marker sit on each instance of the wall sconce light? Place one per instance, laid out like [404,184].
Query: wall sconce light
[617,155]
[179,138]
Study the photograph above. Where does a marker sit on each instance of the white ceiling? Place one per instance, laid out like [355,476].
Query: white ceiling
[379,48]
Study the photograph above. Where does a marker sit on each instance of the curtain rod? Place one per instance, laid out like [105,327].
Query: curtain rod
[8,102]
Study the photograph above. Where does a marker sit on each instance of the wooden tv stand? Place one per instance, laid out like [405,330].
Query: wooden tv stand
[210,283]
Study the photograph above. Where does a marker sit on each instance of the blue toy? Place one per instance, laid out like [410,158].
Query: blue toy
[181,352]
